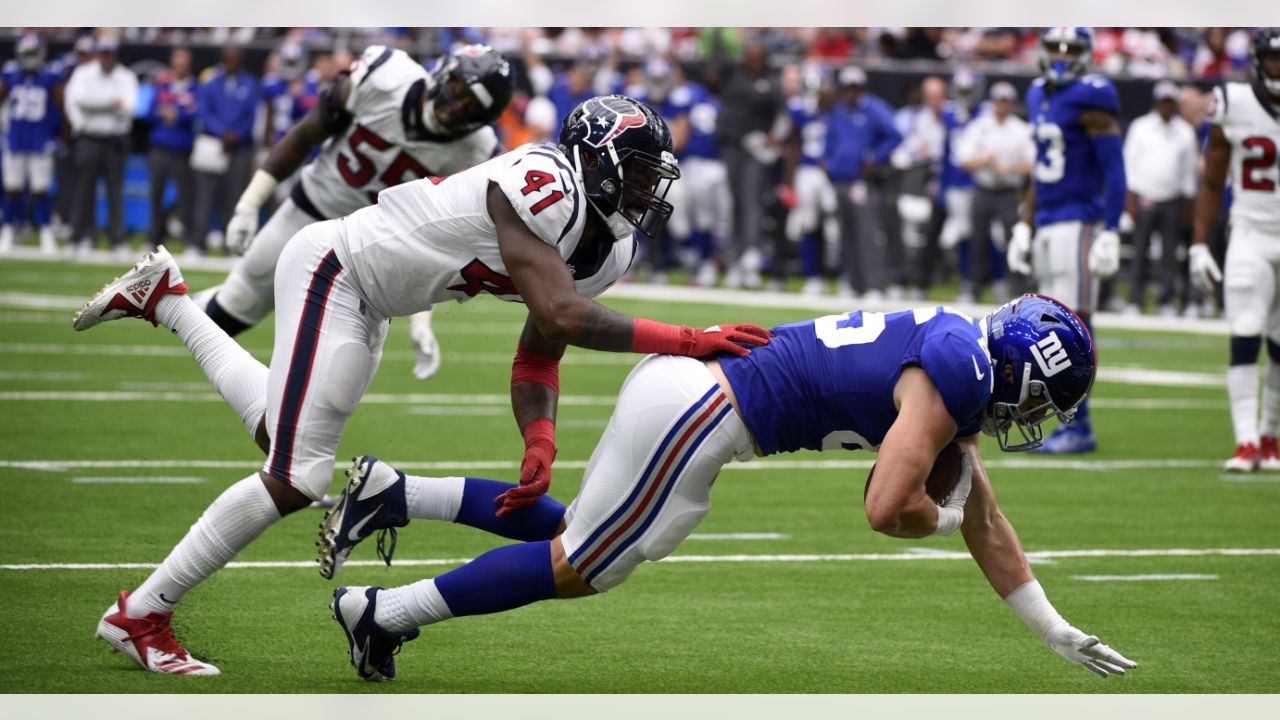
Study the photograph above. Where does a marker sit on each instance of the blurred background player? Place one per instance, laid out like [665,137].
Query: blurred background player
[172,116]
[997,152]
[955,184]
[807,190]
[1245,138]
[1078,193]
[289,93]
[679,421]
[1160,155]
[31,93]
[703,220]
[390,121]
[226,109]
[99,100]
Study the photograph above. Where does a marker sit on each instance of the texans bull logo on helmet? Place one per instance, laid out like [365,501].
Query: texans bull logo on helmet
[610,117]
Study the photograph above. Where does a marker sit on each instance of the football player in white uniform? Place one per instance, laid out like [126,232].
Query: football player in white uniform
[1245,133]
[386,122]
[547,225]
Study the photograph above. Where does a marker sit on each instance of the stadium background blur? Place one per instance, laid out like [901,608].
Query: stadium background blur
[902,249]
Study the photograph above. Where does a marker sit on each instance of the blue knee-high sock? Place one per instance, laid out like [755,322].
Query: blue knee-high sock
[700,240]
[810,255]
[1082,413]
[43,210]
[13,207]
[501,579]
[539,521]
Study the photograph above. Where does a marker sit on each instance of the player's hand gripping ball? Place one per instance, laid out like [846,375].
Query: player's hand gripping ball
[948,469]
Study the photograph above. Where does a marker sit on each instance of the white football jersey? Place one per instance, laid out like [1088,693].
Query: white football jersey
[432,240]
[375,152]
[1252,127]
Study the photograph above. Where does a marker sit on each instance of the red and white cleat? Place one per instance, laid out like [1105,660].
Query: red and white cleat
[1269,453]
[1245,459]
[134,294]
[148,641]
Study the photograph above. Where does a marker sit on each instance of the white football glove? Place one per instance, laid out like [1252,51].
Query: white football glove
[1018,256]
[241,230]
[1204,269]
[1104,255]
[1074,645]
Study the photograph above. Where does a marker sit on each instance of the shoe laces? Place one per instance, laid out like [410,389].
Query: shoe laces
[387,544]
[158,633]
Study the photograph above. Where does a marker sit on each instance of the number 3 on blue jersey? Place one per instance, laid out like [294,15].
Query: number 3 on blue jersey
[1051,163]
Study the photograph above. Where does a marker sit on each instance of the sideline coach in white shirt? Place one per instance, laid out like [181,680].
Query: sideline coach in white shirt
[1160,162]
[100,98]
[997,149]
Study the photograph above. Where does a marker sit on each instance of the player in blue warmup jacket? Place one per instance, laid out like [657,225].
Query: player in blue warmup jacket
[903,384]
[1078,194]
[30,92]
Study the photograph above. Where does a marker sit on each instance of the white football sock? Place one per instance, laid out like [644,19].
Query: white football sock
[405,608]
[433,498]
[1242,388]
[1270,399]
[239,515]
[238,376]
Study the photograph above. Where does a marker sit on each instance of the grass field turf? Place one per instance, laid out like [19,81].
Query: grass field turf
[861,626]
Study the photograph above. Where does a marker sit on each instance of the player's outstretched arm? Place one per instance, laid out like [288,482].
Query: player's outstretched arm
[328,117]
[562,315]
[1104,131]
[896,503]
[535,394]
[1217,157]
[994,545]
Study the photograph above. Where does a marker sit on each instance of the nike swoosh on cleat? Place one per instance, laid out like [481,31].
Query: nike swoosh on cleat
[354,534]
[977,370]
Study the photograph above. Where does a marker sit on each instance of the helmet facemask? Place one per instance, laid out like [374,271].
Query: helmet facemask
[1063,58]
[1035,405]
[629,189]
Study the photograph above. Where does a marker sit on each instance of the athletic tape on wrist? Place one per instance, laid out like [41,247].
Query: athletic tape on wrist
[1028,602]
[258,192]
[532,367]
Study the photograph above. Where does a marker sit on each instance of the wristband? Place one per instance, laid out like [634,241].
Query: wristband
[259,191]
[648,336]
[532,367]
[1029,603]
[949,519]
[542,430]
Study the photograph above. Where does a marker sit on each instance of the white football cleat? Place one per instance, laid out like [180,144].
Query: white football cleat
[148,641]
[1268,453]
[426,350]
[1245,459]
[134,294]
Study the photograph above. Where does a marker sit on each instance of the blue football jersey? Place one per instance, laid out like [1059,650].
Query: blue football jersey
[288,103]
[704,113]
[33,117]
[827,384]
[812,127]
[1068,177]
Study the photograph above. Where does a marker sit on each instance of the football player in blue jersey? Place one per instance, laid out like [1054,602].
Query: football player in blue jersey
[903,384]
[289,92]
[31,93]
[1078,194]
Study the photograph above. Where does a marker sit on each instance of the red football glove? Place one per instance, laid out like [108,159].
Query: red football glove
[535,469]
[656,337]
[788,197]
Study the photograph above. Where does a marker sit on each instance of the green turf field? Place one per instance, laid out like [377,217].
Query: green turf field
[86,415]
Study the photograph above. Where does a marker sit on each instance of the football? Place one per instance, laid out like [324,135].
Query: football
[947,470]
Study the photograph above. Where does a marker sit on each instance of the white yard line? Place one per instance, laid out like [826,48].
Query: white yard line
[144,480]
[1257,477]
[42,375]
[759,465]
[1142,578]
[852,557]
[739,536]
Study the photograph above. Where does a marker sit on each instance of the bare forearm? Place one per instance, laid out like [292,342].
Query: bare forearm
[1208,203]
[584,323]
[291,152]
[994,546]
[531,401]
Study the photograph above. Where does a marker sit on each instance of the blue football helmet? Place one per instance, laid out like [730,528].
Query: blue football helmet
[1044,362]
[1066,53]
[623,150]
[30,52]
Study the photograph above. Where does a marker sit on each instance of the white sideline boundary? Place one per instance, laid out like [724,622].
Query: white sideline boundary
[1142,578]
[851,557]
[757,465]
